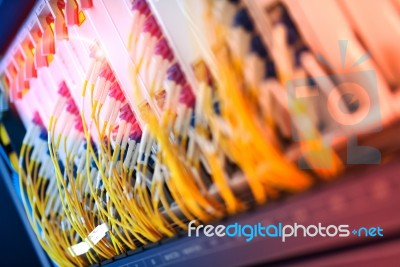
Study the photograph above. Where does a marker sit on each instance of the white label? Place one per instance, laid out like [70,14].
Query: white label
[93,238]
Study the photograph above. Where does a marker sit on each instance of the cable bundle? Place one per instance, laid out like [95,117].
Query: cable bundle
[41,198]
[247,133]
[101,179]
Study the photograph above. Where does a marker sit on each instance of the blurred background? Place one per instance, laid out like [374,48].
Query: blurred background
[16,239]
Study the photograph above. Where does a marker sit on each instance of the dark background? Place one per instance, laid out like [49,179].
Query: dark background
[12,15]
[16,248]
